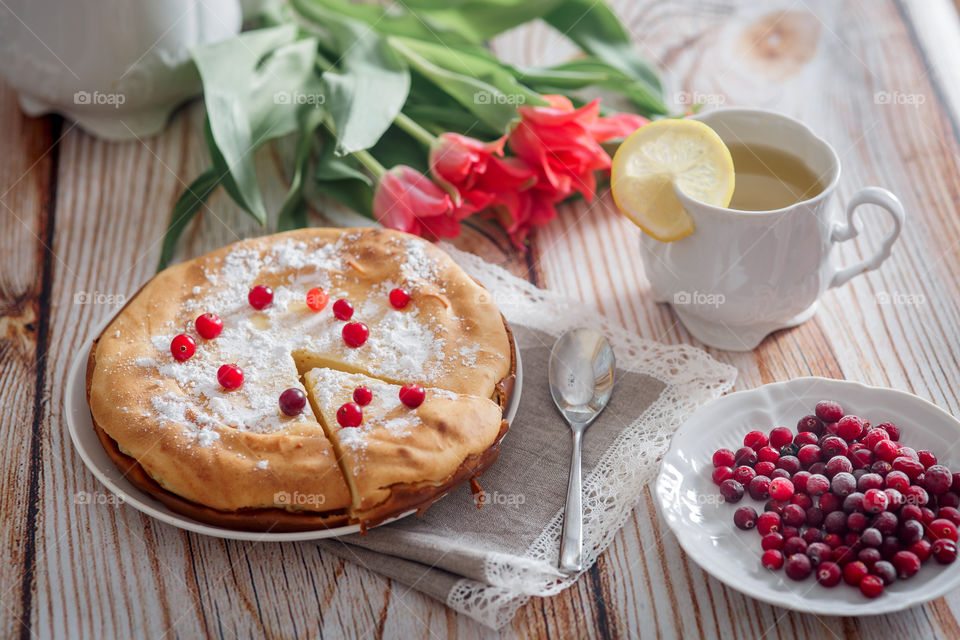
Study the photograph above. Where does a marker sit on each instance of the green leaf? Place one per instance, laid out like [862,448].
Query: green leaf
[597,30]
[367,89]
[485,101]
[593,72]
[293,212]
[184,210]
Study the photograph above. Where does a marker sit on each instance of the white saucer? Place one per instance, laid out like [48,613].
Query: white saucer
[80,426]
[691,505]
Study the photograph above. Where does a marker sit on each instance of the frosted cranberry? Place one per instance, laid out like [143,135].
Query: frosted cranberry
[875,501]
[949,513]
[230,376]
[413,396]
[799,480]
[916,495]
[832,540]
[780,473]
[781,489]
[908,466]
[794,515]
[209,325]
[399,298]
[772,559]
[815,516]
[802,500]
[829,574]
[810,424]
[794,544]
[896,480]
[909,532]
[812,535]
[829,503]
[317,299]
[862,458]
[745,518]
[829,411]
[910,452]
[343,310]
[292,401]
[829,429]
[789,532]
[355,334]
[854,572]
[885,571]
[853,502]
[790,464]
[944,551]
[805,438]
[956,483]
[887,450]
[906,563]
[746,456]
[771,541]
[808,454]
[921,549]
[818,467]
[731,490]
[895,499]
[886,523]
[780,436]
[768,454]
[892,430]
[871,586]
[869,556]
[819,552]
[260,297]
[843,484]
[723,458]
[756,440]
[182,347]
[363,396]
[759,487]
[817,484]
[873,438]
[833,446]
[764,468]
[744,475]
[942,528]
[881,467]
[350,415]
[926,458]
[949,499]
[937,479]
[910,512]
[798,567]
[857,521]
[768,522]
[849,428]
[870,481]
[838,464]
[871,537]
[835,522]
[927,515]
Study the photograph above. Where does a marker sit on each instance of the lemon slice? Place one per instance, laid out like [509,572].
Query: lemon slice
[661,155]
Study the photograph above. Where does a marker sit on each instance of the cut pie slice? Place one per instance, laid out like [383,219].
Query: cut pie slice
[399,456]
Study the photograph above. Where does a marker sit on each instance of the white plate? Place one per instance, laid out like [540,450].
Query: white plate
[80,426]
[690,502]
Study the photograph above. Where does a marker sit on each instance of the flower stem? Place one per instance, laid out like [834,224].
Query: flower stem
[370,163]
[409,125]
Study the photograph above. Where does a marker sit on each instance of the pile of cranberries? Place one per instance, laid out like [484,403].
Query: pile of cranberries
[844,500]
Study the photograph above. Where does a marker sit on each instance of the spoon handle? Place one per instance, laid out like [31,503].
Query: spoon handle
[571,538]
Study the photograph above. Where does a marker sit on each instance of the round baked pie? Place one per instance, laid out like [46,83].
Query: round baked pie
[395,365]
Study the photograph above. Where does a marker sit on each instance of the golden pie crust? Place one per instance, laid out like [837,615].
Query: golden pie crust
[231,458]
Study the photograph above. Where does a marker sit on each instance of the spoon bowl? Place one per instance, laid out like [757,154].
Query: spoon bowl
[581,374]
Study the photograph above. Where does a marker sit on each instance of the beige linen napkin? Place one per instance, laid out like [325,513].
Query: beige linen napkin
[486,562]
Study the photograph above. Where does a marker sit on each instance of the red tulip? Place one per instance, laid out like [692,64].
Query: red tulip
[409,201]
[557,140]
[619,125]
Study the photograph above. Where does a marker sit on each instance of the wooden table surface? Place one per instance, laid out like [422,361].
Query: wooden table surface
[82,220]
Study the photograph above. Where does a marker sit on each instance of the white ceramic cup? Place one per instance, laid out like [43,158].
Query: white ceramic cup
[743,274]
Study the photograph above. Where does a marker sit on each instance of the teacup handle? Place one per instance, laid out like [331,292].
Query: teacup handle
[847,231]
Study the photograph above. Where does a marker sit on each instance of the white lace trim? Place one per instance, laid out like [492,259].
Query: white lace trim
[612,489]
